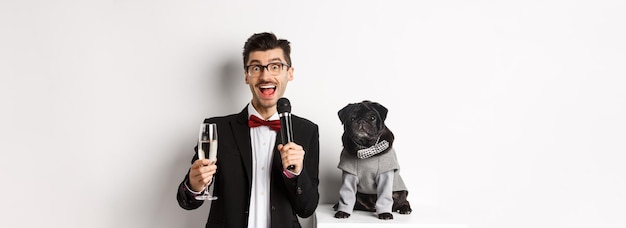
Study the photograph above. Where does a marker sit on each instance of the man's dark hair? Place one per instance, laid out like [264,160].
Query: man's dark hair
[263,42]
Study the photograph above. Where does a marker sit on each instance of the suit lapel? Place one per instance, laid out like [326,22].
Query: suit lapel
[242,138]
[276,160]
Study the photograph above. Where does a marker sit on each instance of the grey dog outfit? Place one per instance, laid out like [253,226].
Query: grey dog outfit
[375,175]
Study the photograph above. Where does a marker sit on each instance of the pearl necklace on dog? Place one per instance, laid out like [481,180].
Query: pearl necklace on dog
[373,150]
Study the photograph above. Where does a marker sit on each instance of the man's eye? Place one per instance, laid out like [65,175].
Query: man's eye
[256,68]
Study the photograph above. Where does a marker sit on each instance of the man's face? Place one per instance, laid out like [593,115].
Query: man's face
[267,88]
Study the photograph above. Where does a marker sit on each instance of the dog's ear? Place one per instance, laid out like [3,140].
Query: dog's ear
[381,110]
[345,112]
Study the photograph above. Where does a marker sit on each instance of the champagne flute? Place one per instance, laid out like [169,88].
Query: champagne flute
[207,141]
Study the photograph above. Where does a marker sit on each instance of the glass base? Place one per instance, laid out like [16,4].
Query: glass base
[206,197]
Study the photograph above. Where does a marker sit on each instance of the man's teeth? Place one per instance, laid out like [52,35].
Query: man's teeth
[267,90]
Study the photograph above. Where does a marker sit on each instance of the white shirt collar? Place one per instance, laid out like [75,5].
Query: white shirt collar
[252,111]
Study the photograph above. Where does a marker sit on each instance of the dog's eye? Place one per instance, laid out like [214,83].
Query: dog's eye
[372,118]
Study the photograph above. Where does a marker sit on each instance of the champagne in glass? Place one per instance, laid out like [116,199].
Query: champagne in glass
[207,147]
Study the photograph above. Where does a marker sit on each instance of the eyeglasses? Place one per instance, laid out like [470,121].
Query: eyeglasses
[273,68]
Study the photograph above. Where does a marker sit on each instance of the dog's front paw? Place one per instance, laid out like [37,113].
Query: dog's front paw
[406,209]
[341,215]
[385,216]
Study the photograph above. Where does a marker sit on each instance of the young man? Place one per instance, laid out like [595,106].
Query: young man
[250,178]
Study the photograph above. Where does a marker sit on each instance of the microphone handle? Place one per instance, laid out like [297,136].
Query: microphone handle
[286,132]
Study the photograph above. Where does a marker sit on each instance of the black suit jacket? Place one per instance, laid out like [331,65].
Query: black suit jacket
[289,198]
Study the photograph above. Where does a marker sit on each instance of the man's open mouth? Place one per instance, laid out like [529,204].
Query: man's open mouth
[268,89]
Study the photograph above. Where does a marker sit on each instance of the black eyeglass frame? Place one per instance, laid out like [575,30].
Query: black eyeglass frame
[265,67]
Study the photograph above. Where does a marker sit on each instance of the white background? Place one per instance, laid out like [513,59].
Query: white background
[505,114]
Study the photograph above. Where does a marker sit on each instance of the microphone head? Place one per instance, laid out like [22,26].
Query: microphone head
[283,105]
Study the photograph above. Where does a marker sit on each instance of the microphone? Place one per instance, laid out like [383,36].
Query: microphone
[286,132]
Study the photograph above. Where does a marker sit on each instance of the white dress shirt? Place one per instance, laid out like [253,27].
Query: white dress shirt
[263,139]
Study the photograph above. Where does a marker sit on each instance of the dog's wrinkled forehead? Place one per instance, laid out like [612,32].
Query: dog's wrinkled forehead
[361,108]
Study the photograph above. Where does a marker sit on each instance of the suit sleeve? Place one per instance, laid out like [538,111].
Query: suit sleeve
[185,198]
[303,190]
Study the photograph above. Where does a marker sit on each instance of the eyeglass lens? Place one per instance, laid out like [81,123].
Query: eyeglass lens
[273,68]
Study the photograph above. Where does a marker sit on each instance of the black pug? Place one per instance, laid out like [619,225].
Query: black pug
[370,170]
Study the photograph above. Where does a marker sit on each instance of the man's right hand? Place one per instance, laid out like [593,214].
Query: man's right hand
[201,173]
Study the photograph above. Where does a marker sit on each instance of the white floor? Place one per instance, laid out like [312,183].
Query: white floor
[421,217]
